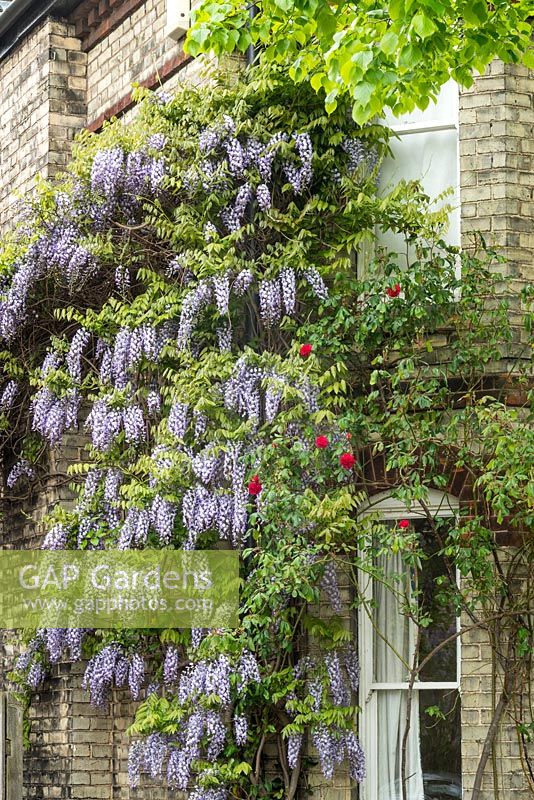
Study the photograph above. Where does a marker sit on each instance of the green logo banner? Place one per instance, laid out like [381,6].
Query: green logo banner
[119,589]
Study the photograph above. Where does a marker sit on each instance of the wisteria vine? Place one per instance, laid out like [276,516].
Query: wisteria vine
[178,273]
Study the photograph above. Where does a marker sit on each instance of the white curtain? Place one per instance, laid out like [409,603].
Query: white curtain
[398,637]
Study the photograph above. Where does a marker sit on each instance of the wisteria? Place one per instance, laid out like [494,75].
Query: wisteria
[80,340]
[105,423]
[109,667]
[35,676]
[247,670]
[74,640]
[123,180]
[355,755]
[338,688]
[270,301]
[22,469]
[243,281]
[53,415]
[240,729]
[135,761]
[134,424]
[301,177]
[185,281]
[263,196]
[171,665]
[330,587]
[288,286]
[328,743]
[153,402]
[178,769]
[193,303]
[294,747]
[233,216]
[178,419]
[56,538]
[352,666]
[154,753]
[8,395]
[316,282]
[135,528]
[162,516]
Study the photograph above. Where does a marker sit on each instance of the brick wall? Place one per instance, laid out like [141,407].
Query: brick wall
[136,50]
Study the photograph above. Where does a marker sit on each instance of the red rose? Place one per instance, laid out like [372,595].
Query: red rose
[255,487]
[305,350]
[348,436]
[347,460]
[393,291]
[404,523]
[321,442]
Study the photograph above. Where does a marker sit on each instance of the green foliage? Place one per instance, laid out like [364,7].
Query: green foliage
[401,377]
[393,55]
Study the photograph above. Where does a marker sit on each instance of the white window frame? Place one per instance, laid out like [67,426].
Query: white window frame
[442,505]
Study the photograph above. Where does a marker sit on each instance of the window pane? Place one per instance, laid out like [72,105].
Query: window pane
[433,760]
[394,637]
[391,724]
[443,665]
[441,744]
[432,158]
[444,110]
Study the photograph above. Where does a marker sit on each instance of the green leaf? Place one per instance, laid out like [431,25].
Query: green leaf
[423,25]
[389,42]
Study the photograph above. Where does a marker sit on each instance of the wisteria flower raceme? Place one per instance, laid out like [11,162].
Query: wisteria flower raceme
[22,469]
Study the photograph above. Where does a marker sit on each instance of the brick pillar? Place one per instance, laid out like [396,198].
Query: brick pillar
[497,193]
[496,168]
[44,105]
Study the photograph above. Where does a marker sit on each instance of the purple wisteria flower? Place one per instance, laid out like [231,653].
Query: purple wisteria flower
[294,746]
[240,729]
[56,538]
[330,587]
[135,761]
[80,340]
[171,665]
[22,469]
[9,393]
[35,676]
[162,516]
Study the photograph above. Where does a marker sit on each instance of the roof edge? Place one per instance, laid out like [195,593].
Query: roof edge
[22,15]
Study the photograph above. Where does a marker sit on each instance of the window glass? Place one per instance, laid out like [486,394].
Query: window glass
[432,158]
[425,149]
[394,642]
[434,583]
[440,741]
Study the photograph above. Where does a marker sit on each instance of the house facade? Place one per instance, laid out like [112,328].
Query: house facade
[66,66]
